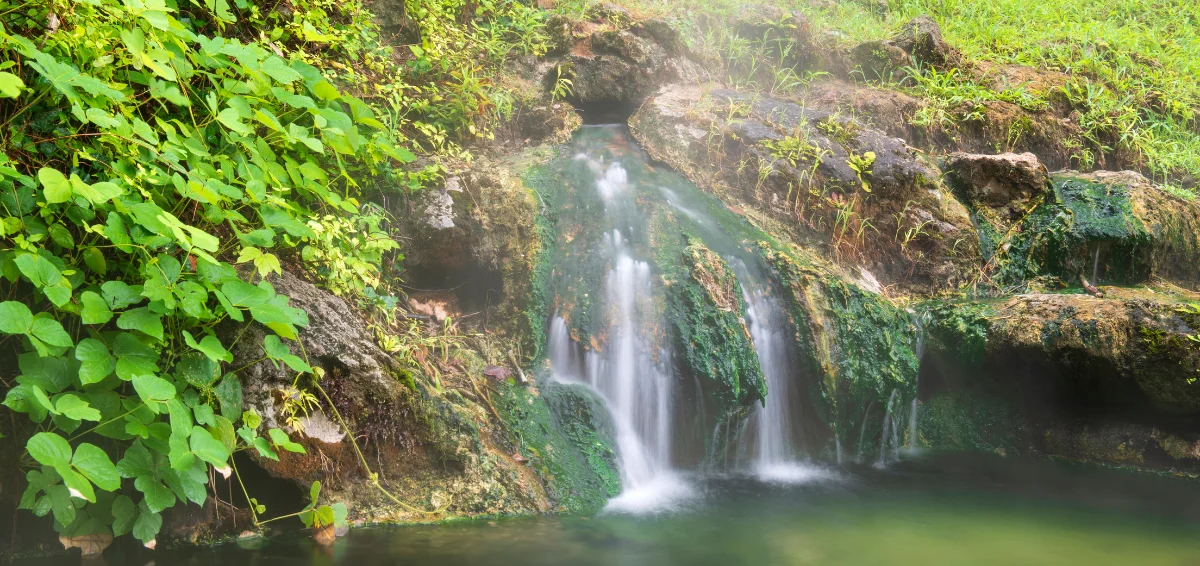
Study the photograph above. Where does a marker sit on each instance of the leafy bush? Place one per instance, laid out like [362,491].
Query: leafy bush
[150,147]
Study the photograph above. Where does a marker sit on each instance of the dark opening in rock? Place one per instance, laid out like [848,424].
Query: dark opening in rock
[606,112]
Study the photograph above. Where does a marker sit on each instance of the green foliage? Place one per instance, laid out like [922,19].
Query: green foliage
[795,149]
[148,151]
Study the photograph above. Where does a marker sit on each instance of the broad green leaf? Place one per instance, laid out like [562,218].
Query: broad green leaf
[15,318]
[124,513]
[73,407]
[204,414]
[54,183]
[279,70]
[207,448]
[119,295]
[229,393]
[136,462]
[94,464]
[50,331]
[222,429]
[78,485]
[142,320]
[10,85]
[264,448]
[61,504]
[158,496]
[281,440]
[198,370]
[230,119]
[95,308]
[133,357]
[153,389]
[148,524]
[210,346]
[49,449]
[251,419]
[96,362]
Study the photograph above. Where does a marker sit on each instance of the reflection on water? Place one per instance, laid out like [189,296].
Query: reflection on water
[932,510]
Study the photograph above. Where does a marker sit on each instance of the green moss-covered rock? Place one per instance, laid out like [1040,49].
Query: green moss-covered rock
[859,343]
[709,317]
[966,421]
[565,434]
[1115,227]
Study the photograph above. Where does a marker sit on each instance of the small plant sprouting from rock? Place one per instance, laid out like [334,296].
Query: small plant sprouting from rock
[861,164]
[795,149]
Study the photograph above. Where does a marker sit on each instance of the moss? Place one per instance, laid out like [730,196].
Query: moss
[1089,227]
[960,330]
[961,420]
[708,313]
[564,433]
[861,344]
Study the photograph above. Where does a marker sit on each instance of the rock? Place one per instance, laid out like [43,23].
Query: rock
[439,210]
[664,34]
[854,347]
[810,167]
[921,37]
[411,437]
[919,43]
[786,31]
[880,59]
[551,122]
[1110,227]
[1096,379]
[1008,183]
[625,66]
[393,19]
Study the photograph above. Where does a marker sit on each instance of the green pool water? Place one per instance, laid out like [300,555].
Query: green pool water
[947,509]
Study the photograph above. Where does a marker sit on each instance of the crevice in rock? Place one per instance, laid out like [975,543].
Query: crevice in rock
[605,112]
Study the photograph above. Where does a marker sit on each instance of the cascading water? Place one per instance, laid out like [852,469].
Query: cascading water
[611,331]
[632,371]
[773,424]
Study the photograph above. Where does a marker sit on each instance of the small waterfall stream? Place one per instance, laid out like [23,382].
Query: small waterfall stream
[627,356]
[632,372]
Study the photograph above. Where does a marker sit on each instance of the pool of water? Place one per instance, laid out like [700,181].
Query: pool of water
[945,509]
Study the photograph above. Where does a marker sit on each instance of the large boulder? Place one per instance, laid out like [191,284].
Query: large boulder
[1110,379]
[865,195]
[624,66]
[919,42]
[1007,186]
[1106,227]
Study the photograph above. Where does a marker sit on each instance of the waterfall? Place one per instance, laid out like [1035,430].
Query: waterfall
[631,371]
[889,443]
[920,320]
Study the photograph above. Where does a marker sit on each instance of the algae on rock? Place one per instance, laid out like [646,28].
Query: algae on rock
[859,343]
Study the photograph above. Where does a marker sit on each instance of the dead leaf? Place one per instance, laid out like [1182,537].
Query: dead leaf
[90,545]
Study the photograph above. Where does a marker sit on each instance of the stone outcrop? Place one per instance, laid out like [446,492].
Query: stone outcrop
[446,450]
[866,195]
[1106,227]
[623,66]
[1107,379]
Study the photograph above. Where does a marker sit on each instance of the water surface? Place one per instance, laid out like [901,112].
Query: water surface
[947,509]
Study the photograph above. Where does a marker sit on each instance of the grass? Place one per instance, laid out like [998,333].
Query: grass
[1135,63]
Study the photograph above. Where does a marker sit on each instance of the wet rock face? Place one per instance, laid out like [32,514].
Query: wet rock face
[833,177]
[1008,183]
[625,66]
[1097,379]
[1107,227]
